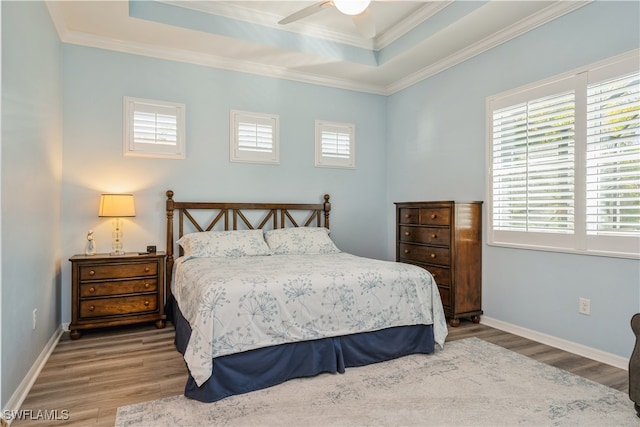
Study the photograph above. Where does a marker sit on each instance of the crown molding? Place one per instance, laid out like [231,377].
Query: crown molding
[409,23]
[542,17]
[213,61]
[270,20]
[546,15]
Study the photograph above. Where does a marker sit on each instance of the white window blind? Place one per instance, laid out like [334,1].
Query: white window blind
[254,137]
[564,162]
[154,128]
[335,144]
[533,156]
[613,150]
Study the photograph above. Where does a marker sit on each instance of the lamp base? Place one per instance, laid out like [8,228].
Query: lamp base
[117,253]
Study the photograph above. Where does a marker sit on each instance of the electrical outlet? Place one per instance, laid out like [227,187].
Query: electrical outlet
[35,318]
[584,306]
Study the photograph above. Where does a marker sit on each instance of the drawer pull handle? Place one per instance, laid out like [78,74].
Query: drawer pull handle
[433,236]
[434,216]
[146,285]
[146,269]
[146,303]
[433,255]
[434,275]
[407,216]
[406,251]
[406,233]
[92,272]
[92,289]
[92,307]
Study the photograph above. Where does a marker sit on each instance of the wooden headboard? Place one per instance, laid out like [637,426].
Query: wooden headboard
[237,216]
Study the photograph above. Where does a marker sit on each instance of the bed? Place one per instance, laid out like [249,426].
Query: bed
[259,294]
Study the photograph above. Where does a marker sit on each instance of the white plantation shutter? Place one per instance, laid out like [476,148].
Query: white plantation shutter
[335,145]
[564,162]
[613,153]
[154,128]
[254,137]
[533,156]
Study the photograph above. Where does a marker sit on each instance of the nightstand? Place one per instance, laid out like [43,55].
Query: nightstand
[116,290]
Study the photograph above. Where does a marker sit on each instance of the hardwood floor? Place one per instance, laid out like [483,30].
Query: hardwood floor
[90,378]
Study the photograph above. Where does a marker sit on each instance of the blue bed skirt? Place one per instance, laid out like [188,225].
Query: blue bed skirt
[266,367]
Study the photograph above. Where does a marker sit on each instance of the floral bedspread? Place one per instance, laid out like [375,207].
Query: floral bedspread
[239,304]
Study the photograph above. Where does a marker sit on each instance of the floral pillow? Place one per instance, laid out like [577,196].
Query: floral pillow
[224,244]
[300,241]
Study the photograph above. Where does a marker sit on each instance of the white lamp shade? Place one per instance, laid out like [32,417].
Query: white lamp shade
[351,7]
[117,205]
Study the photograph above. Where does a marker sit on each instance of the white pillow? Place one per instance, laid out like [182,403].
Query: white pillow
[224,244]
[300,241]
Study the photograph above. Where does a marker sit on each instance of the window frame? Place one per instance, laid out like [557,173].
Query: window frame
[579,241]
[131,148]
[240,155]
[335,161]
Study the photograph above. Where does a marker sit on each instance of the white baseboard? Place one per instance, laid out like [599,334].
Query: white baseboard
[18,397]
[579,349]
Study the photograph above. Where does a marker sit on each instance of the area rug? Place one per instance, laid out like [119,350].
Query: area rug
[469,383]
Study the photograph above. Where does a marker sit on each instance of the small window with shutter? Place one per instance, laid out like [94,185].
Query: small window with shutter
[335,145]
[154,128]
[254,137]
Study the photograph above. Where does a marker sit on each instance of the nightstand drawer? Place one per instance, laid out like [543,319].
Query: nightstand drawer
[435,216]
[436,236]
[117,306]
[98,289]
[426,254]
[117,271]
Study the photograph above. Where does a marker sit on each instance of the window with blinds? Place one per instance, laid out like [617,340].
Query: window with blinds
[564,163]
[335,145]
[154,128]
[254,137]
[613,153]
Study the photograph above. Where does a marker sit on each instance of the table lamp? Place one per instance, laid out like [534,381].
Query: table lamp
[116,206]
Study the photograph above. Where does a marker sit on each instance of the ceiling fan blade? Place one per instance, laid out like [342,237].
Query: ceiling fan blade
[303,13]
[365,24]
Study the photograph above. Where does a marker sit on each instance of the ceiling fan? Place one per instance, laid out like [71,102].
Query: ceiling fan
[357,9]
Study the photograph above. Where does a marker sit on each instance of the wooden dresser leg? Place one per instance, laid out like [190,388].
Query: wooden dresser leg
[160,324]
[475,319]
[455,322]
[75,334]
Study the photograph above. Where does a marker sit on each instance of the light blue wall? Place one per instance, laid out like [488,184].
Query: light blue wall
[424,143]
[31,179]
[436,150]
[95,82]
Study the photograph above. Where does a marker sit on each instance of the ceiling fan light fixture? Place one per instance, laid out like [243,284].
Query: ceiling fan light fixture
[351,7]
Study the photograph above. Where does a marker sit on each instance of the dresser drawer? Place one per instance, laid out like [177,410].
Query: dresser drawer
[116,306]
[429,235]
[440,275]
[409,216]
[88,290]
[426,254]
[117,271]
[445,295]
[435,216]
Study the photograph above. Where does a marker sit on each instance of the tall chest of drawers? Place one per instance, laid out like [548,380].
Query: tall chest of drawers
[445,238]
[116,290]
